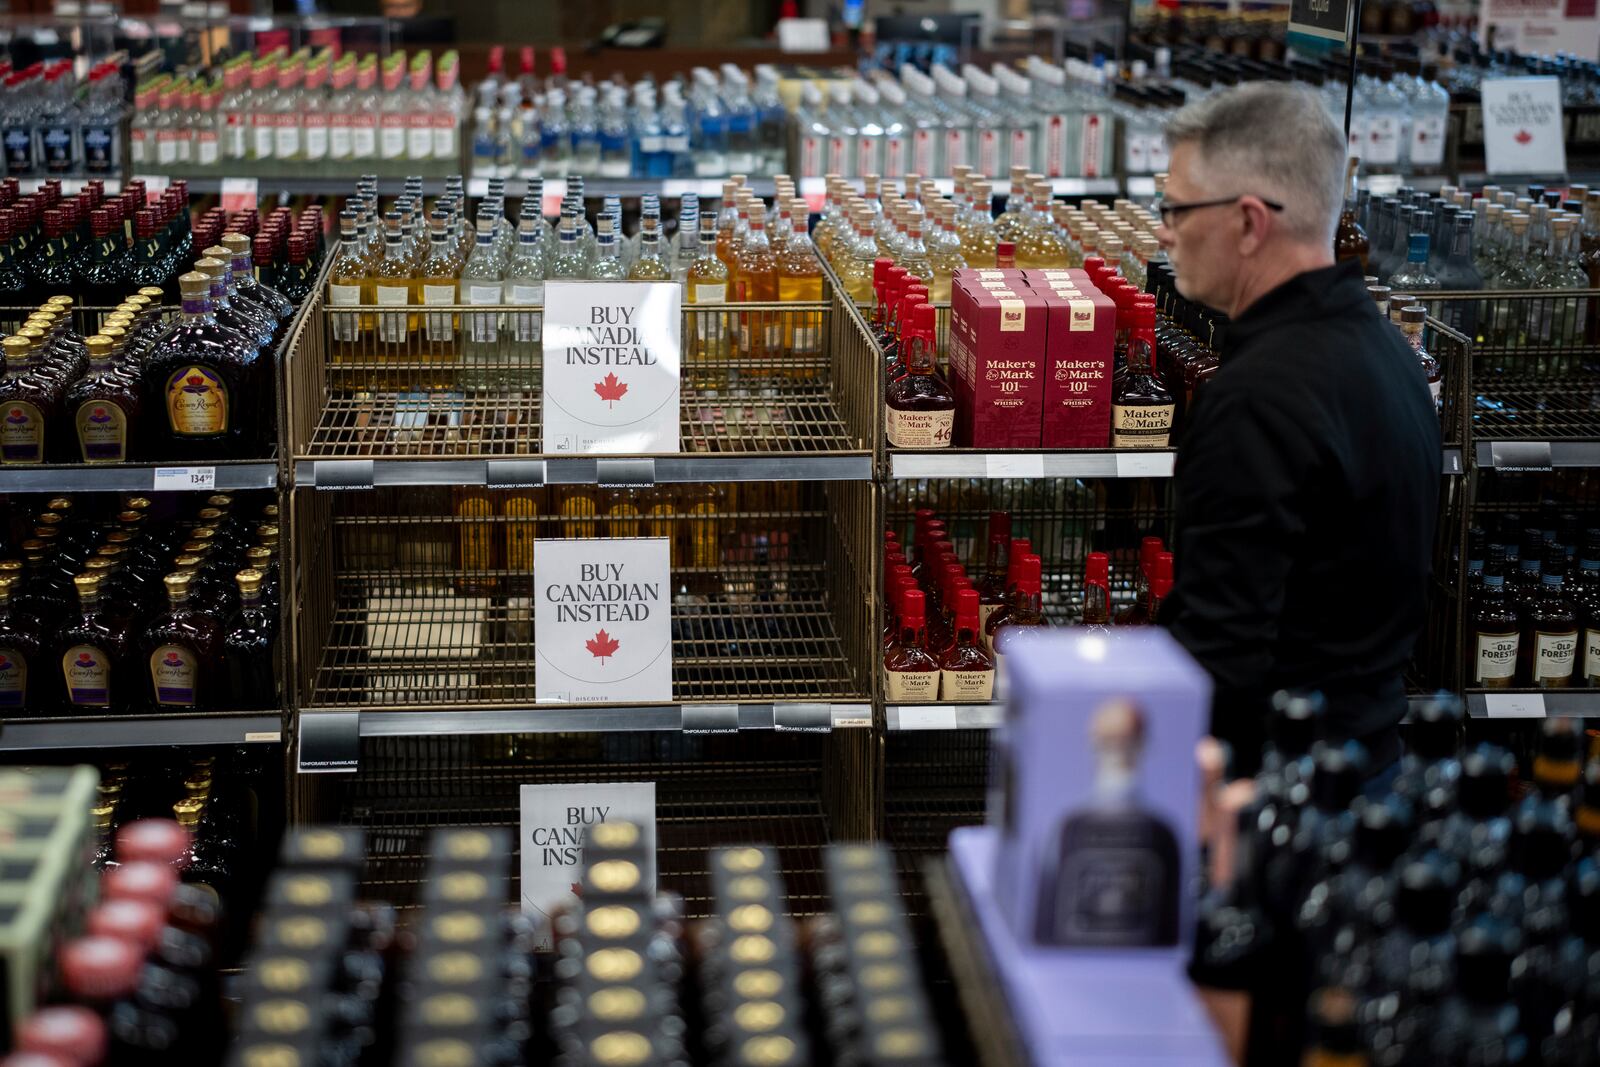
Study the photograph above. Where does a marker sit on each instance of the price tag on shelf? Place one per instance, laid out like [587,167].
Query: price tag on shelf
[184,478]
[240,194]
[1514,705]
[1014,465]
[1151,464]
[927,717]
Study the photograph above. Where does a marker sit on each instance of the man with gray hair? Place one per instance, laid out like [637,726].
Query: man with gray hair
[1307,476]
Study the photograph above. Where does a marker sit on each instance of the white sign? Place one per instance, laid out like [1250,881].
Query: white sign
[1541,27]
[167,478]
[602,622]
[1522,128]
[556,820]
[803,35]
[611,362]
[240,194]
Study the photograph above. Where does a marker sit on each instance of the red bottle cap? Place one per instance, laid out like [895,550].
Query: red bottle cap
[73,1034]
[880,271]
[924,321]
[299,248]
[138,922]
[999,524]
[891,535]
[966,609]
[497,59]
[1005,255]
[151,882]
[913,609]
[100,968]
[180,191]
[1144,318]
[1163,567]
[558,60]
[55,222]
[1097,569]
[1149,548]
[1160,587]
[1029,575]
[156,840]
[526,56]
[147,223]
[950,580]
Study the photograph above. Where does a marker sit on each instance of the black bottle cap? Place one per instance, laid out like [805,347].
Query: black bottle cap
[1295,721]
[1340,769]
[1484,951]
[1485,789]
[1435,729]
[1542,838]
[1383,831]
[1426,894]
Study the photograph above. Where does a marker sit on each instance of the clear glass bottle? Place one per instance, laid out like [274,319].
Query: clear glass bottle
[944,251]
[1562,320]
[707,283]
[395,286]
[800,280]
[608,257]
[438,287]
[524,286]
[978,244]
[1414,276]
[482,283]
[650,265]
[570,261]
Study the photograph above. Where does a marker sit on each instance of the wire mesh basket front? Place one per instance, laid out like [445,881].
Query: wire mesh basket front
[933,783]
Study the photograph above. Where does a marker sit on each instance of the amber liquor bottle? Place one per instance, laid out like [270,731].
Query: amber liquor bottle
[1027,613]
[92,650]
[920,408]
[1550,641]
[911,672]
[1141,407]
[966,671]
[104,407]
[28,405]
[202,387]
[250,645]
[182,651]
[992,586]
[1020,547]
[1496,628]
[1136,614]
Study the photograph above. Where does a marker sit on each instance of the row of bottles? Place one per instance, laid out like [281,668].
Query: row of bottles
[305,111]
[144,387]
[107,613]
[1533,608]
[709,124]
[946,637]
[55,125]
[1451,918]
[483,259]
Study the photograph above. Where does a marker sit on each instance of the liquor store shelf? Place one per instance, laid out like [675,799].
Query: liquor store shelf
[1536,455]
[1129,463]
[589,470]
[140,731]
[905,718]
[208,476]
[1539,704]
[554,188]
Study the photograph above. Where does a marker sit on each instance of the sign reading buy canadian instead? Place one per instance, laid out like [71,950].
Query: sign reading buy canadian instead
[603,620]
[611,367]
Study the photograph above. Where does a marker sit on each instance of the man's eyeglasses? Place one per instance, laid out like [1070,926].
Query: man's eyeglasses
[1171,211]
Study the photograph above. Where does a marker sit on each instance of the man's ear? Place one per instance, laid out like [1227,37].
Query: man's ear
[1257,225]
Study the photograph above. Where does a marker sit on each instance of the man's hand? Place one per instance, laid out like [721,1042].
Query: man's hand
[1220,804]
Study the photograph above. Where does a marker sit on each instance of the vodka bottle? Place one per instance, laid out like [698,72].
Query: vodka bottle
[365,112]
[608,259]
[263,108]
[843,129]
[991,125]
[616,156]
[482,285]
[708,140]
[1060,132]
[524,286]
[102,115]
[449,105]
[394,110]
[584,131]
[814,132]
[773,120]
[650,160]
[314,120]
[141,131]
[419,104]
[570,261]
[555,157]
[206,151]
[286,114]
[341,110]
[1015,100]
[686,242]
[742,121]
[675,131]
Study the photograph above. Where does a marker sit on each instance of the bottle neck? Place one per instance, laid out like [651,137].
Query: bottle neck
[913,632]
[196,306]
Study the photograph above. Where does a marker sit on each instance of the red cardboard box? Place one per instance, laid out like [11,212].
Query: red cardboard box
[970,275]
[1077,368]
[997,352]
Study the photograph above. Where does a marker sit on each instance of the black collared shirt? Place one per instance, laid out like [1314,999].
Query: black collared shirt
[1307,485]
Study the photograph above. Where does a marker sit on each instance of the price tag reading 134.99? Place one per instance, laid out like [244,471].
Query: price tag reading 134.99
[177,478]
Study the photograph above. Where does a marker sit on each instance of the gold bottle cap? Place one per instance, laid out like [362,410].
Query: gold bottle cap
[220,500]
[138,503]
[260,556]
[154,292]
[188,811]
[101,564]
[270,513]
[249,580]
[103,814]
[87,584]
[178,584]
[193,555]
[6,582]
[202,533]
[209,516]
[61,300]
[49,518]
[115,334]
[11,567]
[194,285]
[237,243]
[114,550]
[137,300]
[100,346]
[211,268]
[217,252]
[16,347]
[268,533]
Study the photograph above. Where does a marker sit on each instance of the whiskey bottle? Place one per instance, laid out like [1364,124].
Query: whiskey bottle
[212,393]
[911,673]
[250,646]
[1412,320]
[1136,613]
[966,671]
[1027,613]
[247,287]
[104,407]
[1550,638]
[28,405]
[1496,628]
[1349,239]
[1141,407]
[93,652]
[1019,548]
[707,284]
[250,321]
[1097,592]
[992,586]
[22,664]
[919,406]
[182,651]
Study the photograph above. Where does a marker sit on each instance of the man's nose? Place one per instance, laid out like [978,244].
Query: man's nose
[1165,237]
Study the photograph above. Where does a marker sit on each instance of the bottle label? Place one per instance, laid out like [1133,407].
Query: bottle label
[1591,654]
[363,137]
[207,148]
[955,149]
[392,143]
[87,672]
[1093,144]
[805,338]
[839,156]
[966,685]
[19,149]
[919,429]
[710,294]
[984,611]
[484,328]
[894,156]
[419,138]
[99,149]
[197,402]
[339,140]
[922,152]
[167,147]
[174,673]
[1555,655]
[344,327]
[102,432]
[810,157]
[441,325]
[316,136]
[989,151]
[1141,425]
[21,433]
[264,139]
[1436,389]
[1055,146]
[1021,147]
[1383,140]
[286,140]
[1496,660]
[392,326]
[444,135]
[527,327]
[13,678]
[867,155]
[138,146]
[58,153]
[1427,140]
[912,685]
[233,134]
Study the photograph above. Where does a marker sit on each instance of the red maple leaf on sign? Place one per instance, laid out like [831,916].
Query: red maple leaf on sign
[602,645]
[577,890]
[610,390]
[1523,137]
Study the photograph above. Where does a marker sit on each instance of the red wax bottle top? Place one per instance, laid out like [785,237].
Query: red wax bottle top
[999,524]
[138,922]
[67,1033]
[1097,570]
[151,882]
[913,609]
[100,968]
[1149,549]
[1162,567]
[157,840]
[1005,255]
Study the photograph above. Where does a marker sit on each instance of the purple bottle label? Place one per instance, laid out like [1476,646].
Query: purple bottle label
[87,672]
[173,674]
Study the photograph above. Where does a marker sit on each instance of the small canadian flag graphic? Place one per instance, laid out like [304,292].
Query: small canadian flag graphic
[610,389]
[602,645]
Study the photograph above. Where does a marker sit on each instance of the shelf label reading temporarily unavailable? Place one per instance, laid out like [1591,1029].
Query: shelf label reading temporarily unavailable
[611,363]
[603,620]
[174,478]
[557,821]
[1514,705]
